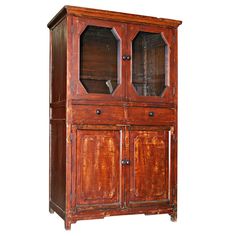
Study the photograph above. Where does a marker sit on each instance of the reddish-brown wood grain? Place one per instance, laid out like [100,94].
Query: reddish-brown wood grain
[58,69]
[95,114]
[149,171]
[58,118]
[150,115]
[98,162]
[113,16]
[110,154]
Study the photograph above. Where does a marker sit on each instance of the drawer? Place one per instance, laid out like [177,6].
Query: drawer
[95,114]
[146,116]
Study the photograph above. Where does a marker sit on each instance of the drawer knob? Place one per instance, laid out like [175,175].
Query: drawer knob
[98,112]
[151,113]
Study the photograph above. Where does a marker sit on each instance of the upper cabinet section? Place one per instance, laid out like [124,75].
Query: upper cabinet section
[114,56]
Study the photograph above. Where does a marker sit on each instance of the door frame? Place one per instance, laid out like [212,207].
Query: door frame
[74,164]
[169,36]
[77,89]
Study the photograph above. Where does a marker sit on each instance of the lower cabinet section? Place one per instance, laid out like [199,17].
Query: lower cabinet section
[119,170]
[98,170]
[149,168]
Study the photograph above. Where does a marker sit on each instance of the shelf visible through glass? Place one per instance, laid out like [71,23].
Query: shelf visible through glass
[99,50]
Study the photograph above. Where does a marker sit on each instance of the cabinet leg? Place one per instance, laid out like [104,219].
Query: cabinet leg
[51,210]
[67,224]
[173,217]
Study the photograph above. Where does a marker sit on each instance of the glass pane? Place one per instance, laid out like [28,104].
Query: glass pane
[98,60]
[149,69]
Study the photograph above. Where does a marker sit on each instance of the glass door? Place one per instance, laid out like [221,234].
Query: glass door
[99,69]
[151,70]
[98,47]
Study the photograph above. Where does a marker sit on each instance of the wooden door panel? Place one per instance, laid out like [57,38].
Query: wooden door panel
[149,167]
[98,168]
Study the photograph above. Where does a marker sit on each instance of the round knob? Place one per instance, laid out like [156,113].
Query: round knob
[124,57]
[123,162]
[98,112]
[128,58]
[151,113]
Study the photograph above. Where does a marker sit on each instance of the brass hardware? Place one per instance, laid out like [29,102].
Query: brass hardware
[124,57]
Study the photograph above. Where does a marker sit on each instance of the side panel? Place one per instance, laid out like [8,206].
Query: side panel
[57,164]
[57,168]
[58,62]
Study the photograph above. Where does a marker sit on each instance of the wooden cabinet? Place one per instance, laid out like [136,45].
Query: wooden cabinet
[113,114]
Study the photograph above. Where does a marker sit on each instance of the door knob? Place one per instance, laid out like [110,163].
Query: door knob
[128,58]
[98,112]
[124,57]
[125,162]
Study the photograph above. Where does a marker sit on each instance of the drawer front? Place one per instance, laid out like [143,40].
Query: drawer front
[150,116]
[95,114]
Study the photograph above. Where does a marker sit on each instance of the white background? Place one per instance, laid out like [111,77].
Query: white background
[207,130]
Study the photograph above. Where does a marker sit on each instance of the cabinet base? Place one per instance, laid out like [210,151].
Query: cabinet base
[100,214]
